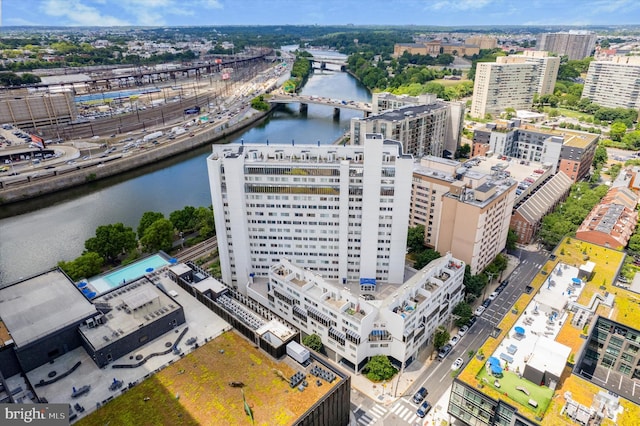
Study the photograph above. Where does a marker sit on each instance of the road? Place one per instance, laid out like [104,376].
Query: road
[438,377]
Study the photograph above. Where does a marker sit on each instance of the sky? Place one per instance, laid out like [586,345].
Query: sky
[320,12]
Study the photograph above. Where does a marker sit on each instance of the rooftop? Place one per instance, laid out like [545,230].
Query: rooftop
[182,392]
[128,308]
[407,111]
[36,306]
[571,253]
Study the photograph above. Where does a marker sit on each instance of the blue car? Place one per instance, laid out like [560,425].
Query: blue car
[424,409]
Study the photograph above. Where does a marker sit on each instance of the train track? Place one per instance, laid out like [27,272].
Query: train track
[199,250]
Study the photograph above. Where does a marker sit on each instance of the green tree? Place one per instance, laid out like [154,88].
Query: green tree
[600,156]
[146,220]
[474,284]
[158,236]
[632,139]
[415,239]
[425,257]
[440,337]
[464,312]
[183,220]
[379,368]
[313,341]
[205,224]
[87,265]
[617,131]
[634,243]
[112,240]
[512,239]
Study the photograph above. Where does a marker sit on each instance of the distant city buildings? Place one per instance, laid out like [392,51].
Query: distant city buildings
[615,83]
[482,41]
[512,82]
[435,48]
[340,211]
[573,44]
[424,124]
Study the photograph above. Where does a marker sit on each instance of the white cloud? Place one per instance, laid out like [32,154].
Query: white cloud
[74,12]
[609,6]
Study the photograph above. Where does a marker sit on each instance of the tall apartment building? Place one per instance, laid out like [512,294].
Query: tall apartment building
[614,83]
[548,67]
[512,81]
[398,321]
[573,44]
[341,211]
[424,124]
[464,212]
[564,150]
[499,86]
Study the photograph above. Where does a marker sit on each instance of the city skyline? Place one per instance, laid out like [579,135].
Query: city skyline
[328,12]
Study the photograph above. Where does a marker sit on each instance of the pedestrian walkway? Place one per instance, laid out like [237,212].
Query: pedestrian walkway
[403,410]
[372,416]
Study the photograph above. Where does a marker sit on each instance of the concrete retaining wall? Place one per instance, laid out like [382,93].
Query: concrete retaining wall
[23,191]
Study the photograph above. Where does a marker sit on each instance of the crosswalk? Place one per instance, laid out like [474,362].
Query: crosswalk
[404,410]
[372,416]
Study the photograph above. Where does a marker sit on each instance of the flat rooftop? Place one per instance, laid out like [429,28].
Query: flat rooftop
[37,306]
[131,306]
[196,389]
[565,329]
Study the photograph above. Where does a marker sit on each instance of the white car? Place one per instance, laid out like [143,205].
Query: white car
[454,340]
[479,311]
[493,295]
[457,364]
[463,330]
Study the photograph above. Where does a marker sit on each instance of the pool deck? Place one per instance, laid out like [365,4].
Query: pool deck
[103,283]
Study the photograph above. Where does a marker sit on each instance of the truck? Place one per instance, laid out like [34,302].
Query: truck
[298,352]
[152,136]
[178,130]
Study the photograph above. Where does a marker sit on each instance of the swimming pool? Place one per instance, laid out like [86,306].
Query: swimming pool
[103,283]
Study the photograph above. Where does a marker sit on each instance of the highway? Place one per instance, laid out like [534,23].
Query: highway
[438,377]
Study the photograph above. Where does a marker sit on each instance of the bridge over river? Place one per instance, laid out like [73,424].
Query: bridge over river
[304,100]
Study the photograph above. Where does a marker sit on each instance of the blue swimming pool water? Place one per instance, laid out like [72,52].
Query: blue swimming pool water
[103,283]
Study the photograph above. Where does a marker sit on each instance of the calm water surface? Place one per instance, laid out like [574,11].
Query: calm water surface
[36,234]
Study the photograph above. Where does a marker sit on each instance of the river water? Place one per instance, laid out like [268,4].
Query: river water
[36,234]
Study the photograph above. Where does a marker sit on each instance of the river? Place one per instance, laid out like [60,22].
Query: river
[36,234]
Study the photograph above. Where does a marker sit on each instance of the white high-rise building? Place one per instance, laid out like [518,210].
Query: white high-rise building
[573,44]
[340,211]
[512,81]
[499,86]
[614,84]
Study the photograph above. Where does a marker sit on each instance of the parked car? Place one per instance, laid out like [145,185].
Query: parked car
[457,364]
[463,330]
[479,311]
[423,409]
[493,295]
[472,321]
[444,351]
[486,302]
[420,395]
[454,340]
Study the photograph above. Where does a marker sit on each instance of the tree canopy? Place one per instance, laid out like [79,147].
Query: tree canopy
[313,341]
[112,240]
[379,368]
[87,265]
[146,220]
[158,236]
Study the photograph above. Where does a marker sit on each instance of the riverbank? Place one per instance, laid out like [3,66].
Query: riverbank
[207,134]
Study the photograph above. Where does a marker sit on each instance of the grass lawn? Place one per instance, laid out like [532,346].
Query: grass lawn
[449,83]
[508,384]
[574,114]
[195,390]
